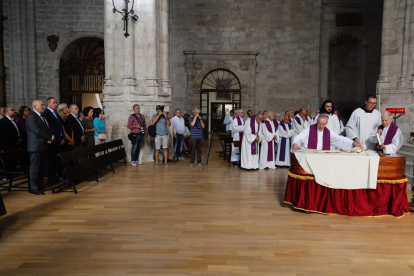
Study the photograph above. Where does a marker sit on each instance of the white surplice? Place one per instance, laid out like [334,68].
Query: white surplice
[333,123]
[299,127]
[235,152]
[396,143]
[281,133]
[361,124]
[341,125]
[337,141]
[266,138]
[248,160]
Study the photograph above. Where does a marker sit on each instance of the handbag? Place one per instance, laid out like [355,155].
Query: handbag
[132,137]
[102,136]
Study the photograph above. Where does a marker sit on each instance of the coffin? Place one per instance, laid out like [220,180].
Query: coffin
[391,166]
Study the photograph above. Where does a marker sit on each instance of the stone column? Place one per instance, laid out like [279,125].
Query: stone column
[151,80]
[402,82]
[22,61]
[165,78]
[132,76]
[410,63]
[109,43]
[384,80]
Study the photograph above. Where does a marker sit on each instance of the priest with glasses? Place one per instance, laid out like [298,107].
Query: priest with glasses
[319,137]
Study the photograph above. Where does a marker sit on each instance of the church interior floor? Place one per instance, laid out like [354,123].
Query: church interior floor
[186,221]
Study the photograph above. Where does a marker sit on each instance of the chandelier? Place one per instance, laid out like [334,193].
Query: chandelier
[125,14]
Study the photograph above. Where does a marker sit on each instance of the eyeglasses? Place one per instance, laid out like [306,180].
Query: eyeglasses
[372,103]
[13,110]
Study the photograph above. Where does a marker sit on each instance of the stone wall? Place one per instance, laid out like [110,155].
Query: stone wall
[282,32]
[395,87]
[359,79]
[69,20]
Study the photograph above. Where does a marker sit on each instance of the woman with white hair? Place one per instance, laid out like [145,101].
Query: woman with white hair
[63,112]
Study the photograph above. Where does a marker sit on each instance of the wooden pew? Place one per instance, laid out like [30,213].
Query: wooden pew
[73,172]
[19,162]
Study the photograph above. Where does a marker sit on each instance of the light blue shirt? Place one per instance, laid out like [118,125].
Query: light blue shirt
[227,122]
[178,123]
[161,126]
[99,125]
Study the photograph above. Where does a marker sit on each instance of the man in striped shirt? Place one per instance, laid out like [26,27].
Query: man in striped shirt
[197,136]
[136,123]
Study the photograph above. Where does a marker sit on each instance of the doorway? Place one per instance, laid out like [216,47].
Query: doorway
[219,88]
[219,111]
[82,72]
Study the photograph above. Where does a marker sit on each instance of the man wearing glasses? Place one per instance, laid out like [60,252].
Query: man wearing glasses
[363,121]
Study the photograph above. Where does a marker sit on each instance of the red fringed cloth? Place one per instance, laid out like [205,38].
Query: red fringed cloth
[389,199]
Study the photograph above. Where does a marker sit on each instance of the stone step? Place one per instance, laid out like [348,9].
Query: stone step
[407,147]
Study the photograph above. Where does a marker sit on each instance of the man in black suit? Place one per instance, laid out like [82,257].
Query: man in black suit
[39,139]
[78,131]
[55,125]
[10,138]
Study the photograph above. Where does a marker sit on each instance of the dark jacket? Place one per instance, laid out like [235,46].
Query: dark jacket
[38,133]
[9,136]
[78,130]
[56,127]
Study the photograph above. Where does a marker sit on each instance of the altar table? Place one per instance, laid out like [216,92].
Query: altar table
[389,197]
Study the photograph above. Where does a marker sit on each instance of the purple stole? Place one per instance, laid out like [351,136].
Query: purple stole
[313,138]
[290,120]
[253,127]
[392,130]
[298,120]
[270,149]
[240,123]
[282,154]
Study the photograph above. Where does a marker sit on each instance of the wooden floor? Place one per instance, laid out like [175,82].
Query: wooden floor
[186,221]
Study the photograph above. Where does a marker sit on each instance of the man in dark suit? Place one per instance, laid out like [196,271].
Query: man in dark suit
[53,120]
[39,139]
[78,130]
[10,138]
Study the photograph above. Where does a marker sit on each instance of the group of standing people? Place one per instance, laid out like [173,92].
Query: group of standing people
[47,131]
[276,138]
[171,135]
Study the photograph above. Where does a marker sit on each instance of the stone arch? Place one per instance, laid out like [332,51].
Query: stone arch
[360,86]
[66,43]
[220,65]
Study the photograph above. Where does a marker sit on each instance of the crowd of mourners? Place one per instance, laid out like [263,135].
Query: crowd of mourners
[46,130]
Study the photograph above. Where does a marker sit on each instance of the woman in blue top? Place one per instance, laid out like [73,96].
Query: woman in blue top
[99,124]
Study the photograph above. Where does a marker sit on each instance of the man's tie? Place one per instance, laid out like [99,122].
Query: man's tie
[44,120]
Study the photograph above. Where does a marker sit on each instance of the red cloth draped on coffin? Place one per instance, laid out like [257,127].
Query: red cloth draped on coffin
[387,199]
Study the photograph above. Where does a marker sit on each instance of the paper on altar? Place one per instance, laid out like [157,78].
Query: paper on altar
[343,170]
[320,151]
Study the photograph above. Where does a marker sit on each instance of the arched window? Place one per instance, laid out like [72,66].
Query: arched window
[220,79]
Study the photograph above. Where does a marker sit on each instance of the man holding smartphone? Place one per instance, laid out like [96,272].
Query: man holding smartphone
[197,137]
[161,120]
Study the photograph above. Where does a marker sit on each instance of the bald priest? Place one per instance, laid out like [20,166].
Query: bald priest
[391,136]
[319,137]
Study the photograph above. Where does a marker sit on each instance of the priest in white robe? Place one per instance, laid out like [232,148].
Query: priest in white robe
[238,131]
[269,137]
[309,116]
[319,137]
[300,121]
[363,122]
[333,123]
[285,133]
[391,135]
[250,144]
[341,125]
[236,113]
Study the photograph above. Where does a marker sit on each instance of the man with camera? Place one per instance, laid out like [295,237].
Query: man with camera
[136,123]
[161,120]
[197,136]
[179,126]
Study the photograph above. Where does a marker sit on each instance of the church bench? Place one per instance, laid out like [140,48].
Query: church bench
[110,153]
[18,162]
